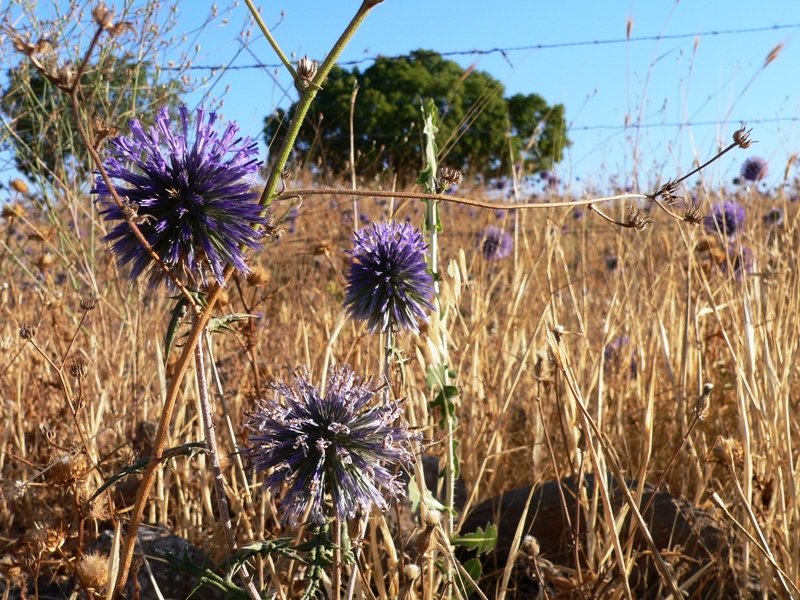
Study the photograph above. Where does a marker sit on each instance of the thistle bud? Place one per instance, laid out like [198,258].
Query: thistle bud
[306,71]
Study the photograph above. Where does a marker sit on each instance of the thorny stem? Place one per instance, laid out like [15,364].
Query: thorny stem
[216,468]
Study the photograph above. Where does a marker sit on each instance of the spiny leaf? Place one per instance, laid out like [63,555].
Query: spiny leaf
[482,541]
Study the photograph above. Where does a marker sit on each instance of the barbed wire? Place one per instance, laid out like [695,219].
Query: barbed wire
[505,51]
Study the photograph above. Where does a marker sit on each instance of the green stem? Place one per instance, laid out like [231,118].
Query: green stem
[307,98]
[270,39]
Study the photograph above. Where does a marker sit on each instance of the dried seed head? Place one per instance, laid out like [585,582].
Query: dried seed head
[88,303]
[306,71]
[741,137]
[702,406]
[19,186]
[635,220]
[26,47]
[530,546]
[92,570]
[103,130]
[667,192]
[102,16]
[12,211]
[412,571]
[78,368]
[449,177]
[28,332]
[45,261]
[357,526]
[258,277]
[432,518]
[693,215]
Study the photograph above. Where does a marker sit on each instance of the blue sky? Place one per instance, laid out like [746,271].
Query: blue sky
[711,81]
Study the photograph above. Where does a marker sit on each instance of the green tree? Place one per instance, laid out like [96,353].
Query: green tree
[479,128]
[45,141]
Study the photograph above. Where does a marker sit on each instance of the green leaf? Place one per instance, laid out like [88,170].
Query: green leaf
[218,324]
[473,567]
[178,312]
[436,378]
[140,465]
[479,540]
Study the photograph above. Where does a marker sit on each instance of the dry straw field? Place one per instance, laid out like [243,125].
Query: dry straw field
[593,409]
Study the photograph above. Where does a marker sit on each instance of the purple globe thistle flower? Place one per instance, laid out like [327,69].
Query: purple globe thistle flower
[754,169]
[495,243]
[388,285]
[193,204]
[340,445]
[726,217]
[774,217]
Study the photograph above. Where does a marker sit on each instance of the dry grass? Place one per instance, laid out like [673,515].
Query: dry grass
[688,321]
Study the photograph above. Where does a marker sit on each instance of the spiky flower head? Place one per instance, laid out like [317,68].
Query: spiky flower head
[388,284]
[754,169]
[726,217]
[192,203]
[341,446]
[495,243]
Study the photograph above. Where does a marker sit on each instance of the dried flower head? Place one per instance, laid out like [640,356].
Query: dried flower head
[339,445]
[495,243]
[635,220]
[19,186]
[702,406]
[92,570]
[754,169]
[28,332]
[88,303]
[449,177]
[194,203]
[693,215]
[306,71]
[78,368]
[388,284]
[741,137]
[727,217]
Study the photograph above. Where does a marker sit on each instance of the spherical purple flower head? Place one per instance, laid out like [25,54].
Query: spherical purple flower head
[754,169]
[195,207]
[726,217]
[340,445]
[388,284]
[495,243]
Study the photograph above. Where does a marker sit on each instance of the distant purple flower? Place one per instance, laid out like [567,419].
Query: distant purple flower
[614,352]
[726,217]
[612,262]
[754,169]
[363,218]
[549,179]
[774,217]
[341,445]
[739,261]
[193,203]
[495,243]
[388,284]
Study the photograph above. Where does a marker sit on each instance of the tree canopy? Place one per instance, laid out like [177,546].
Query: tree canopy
[114,89]
[479,128]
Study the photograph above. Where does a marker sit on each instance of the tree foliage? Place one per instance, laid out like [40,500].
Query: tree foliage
[481,131]
[115,89]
